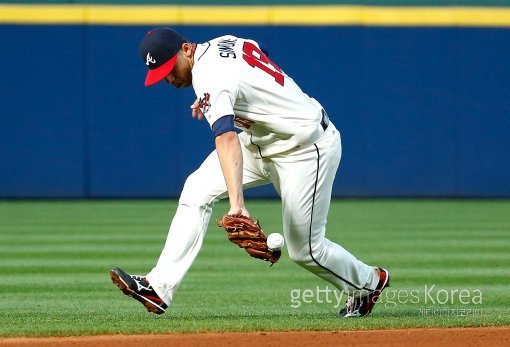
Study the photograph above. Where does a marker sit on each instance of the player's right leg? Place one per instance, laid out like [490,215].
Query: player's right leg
[305,183]
[362,306]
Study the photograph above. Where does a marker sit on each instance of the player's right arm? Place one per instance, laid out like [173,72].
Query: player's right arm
[195,110]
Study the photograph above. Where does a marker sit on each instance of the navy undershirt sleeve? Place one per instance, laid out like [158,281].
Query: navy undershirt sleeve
[223,125]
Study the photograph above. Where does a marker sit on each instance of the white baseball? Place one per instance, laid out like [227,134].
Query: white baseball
[275,241]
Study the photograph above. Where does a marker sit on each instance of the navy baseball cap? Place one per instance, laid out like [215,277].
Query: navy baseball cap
[159,49]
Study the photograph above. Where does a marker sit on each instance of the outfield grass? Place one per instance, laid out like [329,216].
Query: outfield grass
[55,257]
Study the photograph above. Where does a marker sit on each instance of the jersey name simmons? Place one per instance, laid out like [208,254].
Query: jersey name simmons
[233,76]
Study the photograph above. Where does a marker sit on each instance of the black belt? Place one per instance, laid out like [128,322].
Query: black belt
[324,120]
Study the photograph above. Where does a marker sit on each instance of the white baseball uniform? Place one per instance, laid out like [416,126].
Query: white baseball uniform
[285,140]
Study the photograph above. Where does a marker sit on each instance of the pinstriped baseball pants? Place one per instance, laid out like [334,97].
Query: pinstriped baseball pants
[304,181]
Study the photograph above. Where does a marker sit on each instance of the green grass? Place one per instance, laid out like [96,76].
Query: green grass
[55,257]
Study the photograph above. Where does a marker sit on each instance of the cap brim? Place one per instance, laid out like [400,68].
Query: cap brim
[157,74]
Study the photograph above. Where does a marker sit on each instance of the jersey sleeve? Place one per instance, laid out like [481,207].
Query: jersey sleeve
[216,98]
[222,104]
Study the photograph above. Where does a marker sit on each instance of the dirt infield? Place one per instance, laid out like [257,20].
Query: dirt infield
[405,337]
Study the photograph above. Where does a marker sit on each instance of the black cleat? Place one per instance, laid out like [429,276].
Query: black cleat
[138,288]
[360,307]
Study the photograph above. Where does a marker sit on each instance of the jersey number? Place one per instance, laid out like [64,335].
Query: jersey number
[256,58]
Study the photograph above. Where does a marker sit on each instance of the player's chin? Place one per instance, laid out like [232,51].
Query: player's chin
[181,85]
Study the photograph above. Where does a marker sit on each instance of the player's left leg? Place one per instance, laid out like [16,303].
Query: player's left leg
[202,189]
[305,180]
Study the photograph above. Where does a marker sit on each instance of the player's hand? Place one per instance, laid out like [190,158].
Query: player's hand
[196,111]
[247,233]
[241,210]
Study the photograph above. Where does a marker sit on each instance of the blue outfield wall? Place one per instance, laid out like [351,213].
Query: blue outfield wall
[423,112]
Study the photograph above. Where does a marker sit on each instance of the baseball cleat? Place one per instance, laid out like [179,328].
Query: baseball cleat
[360,307]
[139,289]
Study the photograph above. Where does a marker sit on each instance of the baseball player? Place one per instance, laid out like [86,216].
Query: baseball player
[285,138]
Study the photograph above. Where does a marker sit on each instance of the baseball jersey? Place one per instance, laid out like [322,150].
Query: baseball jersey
[232,76]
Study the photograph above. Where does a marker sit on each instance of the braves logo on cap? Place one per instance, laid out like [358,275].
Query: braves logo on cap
[149,59]
[159,50]
[204,104]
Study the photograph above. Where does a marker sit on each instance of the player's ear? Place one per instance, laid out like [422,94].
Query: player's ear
[186,48]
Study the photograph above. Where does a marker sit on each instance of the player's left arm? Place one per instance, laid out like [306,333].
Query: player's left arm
[229,152]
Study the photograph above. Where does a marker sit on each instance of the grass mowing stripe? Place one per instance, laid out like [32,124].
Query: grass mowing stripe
[55,257]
